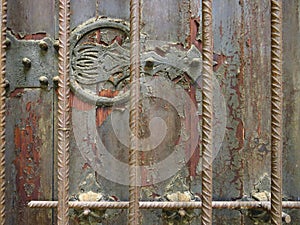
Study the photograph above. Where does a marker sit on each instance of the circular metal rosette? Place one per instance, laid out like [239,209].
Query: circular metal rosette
[99,59]
[170,99]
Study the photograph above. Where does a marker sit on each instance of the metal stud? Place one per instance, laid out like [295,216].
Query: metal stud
[26,62]
[43,45]
[43,81]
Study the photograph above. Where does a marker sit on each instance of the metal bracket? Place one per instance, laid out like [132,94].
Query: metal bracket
[30,63]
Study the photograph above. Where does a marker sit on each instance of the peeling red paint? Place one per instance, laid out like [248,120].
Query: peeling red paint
[192,154]
[86,166]
[17,92]
[194,28]
[28,106]
[221,29]
[192,40]
[145,181]
[27,163]
[103,112]
[240,134]
[78,104]
[37,36]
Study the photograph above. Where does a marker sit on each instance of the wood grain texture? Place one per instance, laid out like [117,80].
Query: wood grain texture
[29,176]
[32,16]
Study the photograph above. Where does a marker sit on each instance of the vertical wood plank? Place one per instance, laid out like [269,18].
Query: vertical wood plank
[291,107]
[29,176]
[31,16]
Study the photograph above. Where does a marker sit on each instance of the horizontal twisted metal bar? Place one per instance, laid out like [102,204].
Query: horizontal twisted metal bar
[168,205]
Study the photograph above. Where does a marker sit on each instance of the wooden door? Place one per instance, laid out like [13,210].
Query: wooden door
[171,33]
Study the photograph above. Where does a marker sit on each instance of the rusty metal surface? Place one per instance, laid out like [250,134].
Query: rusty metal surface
[134,119]
[63,145]
[28,60]
[3,28]
[276,112]
[207,112]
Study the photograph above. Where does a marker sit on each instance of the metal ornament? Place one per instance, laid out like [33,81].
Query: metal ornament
[63,145]
[3,11]
[207,112]
[276,112]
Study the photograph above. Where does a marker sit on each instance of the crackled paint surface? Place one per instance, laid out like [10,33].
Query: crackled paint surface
[242,53]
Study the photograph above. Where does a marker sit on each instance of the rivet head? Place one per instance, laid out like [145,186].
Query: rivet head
[8,42]
[149,63]
[43,45]
[182,212]
[287,219]
[56,45]
[86,212]
[55,79]
[26,62]
[43,81]
[7,84]
[196,62]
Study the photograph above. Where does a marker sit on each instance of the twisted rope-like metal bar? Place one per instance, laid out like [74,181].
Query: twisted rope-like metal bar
[168,205]
[3,11]
[276,111]
[207,112]
[134,215]
[63,113]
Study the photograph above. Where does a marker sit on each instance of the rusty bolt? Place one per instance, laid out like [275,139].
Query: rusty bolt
[55,79]
[26,62]
[149,64]
[7,84]
[8,42]
[195,62]
[286,218]
[182,212]
[86,212]
[56,45]
[43,81]
[43,45]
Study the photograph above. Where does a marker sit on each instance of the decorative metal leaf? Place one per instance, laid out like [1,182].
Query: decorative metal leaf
[93,63]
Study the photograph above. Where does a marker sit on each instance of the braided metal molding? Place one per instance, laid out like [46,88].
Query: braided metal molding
[207,112]
[3,29]
[63,145]
[276,112]
[134,120]
[167,205]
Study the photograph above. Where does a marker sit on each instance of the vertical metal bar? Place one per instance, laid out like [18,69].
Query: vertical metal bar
[134,216]
[3,11]
[276,111]
[63,113]
[207,112]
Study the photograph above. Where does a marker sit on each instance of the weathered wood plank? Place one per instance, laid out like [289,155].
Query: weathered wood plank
[31,17]
[291,79]
[29,155]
